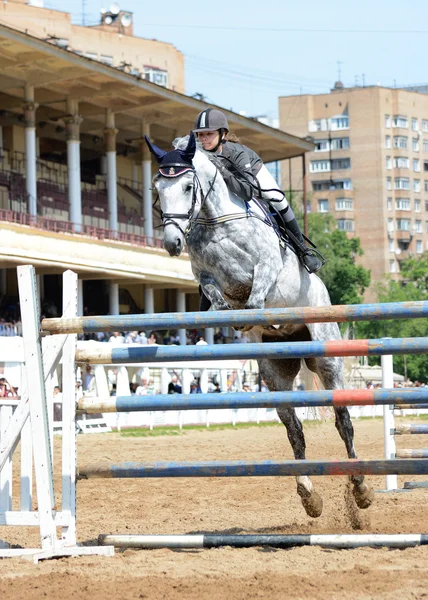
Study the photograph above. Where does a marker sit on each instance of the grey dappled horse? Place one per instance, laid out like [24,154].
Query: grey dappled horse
[240,263]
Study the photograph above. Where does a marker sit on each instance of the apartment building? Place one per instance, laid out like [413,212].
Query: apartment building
[369,168]
[75,172]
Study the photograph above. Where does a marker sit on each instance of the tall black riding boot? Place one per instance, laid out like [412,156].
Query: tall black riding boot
[310,259]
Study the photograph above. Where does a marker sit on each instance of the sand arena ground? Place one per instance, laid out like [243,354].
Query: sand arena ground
[240,505]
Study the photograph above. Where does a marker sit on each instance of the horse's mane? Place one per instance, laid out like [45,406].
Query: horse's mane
[180,143]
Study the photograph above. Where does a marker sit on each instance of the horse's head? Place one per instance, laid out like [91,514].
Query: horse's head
[179,190]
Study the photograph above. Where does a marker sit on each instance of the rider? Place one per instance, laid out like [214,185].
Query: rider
[244,173]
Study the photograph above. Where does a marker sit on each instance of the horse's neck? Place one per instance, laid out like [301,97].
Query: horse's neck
[218,201]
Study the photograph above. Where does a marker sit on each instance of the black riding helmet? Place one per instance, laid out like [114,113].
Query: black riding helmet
[212,119]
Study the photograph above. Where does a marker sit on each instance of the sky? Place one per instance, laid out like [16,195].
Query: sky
[243,55]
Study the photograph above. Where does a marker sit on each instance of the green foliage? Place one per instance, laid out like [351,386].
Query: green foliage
[345,281]
[413,287]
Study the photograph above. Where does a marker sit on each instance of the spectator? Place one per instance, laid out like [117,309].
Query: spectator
[132,338]
[201,341]
[195,388]
[246,387]
[116,338]
[217,389]
[89,378]
[143,337]
[57,403]
[153,339]
[143,388]
[174,387]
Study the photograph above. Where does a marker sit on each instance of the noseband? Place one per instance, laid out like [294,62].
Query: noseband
[170,218]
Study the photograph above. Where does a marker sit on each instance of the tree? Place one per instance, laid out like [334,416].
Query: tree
[414,286]
[345,281]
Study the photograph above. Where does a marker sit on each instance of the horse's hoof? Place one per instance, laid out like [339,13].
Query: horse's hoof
[312,502]
[364,495]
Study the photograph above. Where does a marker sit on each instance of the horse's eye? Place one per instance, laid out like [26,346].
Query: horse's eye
[188,188]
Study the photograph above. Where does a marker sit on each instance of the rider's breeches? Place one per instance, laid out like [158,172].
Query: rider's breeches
[275,198]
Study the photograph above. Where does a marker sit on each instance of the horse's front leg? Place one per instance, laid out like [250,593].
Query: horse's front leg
[212,291]
[264,276]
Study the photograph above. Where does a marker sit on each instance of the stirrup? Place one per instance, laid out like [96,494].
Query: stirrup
[314,253]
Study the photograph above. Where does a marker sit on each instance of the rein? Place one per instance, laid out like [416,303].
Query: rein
[170,218]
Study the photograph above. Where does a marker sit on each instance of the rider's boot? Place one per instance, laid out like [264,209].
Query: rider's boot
[309,259]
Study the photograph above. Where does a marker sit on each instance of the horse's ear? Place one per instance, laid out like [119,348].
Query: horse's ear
[158,153]
[190,150]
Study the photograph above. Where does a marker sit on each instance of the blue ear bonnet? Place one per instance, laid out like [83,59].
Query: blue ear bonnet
[175,162]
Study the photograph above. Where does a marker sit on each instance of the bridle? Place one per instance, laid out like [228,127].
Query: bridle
[170,218]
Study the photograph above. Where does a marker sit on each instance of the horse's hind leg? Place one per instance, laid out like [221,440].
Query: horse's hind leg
[279,375]
[363,494]
[330,371]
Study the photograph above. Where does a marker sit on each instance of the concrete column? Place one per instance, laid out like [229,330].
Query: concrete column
[30,150]
[80,305]
[209,335]
[73,123]
[181,307]
[110,146]
[147,184]
[149,301]
[114,298]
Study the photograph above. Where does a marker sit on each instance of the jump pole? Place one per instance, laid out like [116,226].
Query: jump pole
[273,541]
[388,419]
[245,468]
[98,353]
[262,317]
[236,400]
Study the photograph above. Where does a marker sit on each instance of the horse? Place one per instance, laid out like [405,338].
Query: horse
[240,263]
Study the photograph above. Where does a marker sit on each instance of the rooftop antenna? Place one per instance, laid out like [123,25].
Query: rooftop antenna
[84,13]
[339,70]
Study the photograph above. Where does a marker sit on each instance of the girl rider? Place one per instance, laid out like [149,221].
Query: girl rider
[241,167]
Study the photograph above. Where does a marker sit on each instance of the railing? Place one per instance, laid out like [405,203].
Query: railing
[56,226]
[10,329]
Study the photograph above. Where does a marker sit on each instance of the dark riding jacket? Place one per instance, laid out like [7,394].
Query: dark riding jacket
[240,167]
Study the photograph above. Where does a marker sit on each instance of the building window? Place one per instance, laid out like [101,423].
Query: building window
[390,225]
[425,145]
[91,55]
[339,123]
[338,164]
[416,185]
[387,141]
[388,183]
[400,141]
[321,145]
[344,204]
[392,266]
[418,226]
[402,203]
[391,245]
[108,60]
[389,203]
[401,183]
[320,186]
[426,186]
[401,162]
[416,165]
[323,206]
[419,247]
[414,124]
[426,226]
[415,144]
[388,162]
[387,121]
[317,125]
[343,184]
[426,166]
[340,144]
[403,224]
[424,125]
[318,166]
[399,121]
[345,224]
[155,75]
